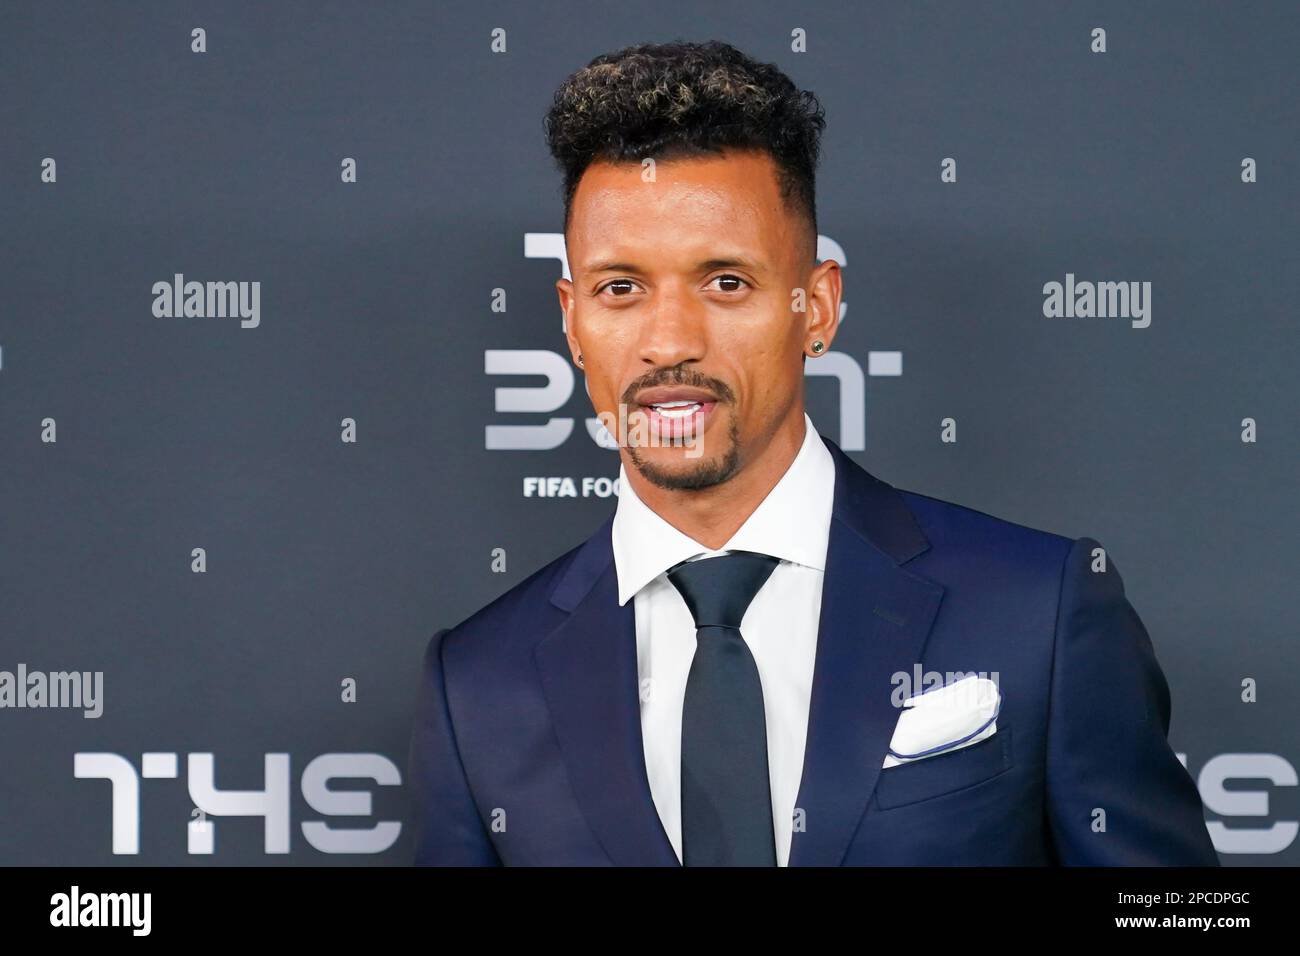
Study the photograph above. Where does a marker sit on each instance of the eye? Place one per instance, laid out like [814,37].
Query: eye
[729,277]
[627,284]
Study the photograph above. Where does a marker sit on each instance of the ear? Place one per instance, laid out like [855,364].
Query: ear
[825,287]
[564,288]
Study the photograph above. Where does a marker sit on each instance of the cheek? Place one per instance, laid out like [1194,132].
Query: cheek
[763,381]
[603,394]
[768,360]
[615,359]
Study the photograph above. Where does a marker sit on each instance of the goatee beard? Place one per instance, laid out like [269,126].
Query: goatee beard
[705,474]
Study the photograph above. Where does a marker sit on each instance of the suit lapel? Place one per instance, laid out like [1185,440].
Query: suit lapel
[875,617]
[588,670]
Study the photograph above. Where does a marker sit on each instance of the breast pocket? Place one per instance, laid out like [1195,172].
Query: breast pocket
[945,773]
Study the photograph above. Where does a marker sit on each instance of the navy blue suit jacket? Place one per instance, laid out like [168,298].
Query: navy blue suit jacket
[526,747]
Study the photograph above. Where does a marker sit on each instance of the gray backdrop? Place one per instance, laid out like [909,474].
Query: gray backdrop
[329,560]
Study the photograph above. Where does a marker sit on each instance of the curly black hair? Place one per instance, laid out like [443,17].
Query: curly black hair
[674,99]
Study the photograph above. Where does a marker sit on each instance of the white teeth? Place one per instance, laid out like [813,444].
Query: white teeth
[676,409]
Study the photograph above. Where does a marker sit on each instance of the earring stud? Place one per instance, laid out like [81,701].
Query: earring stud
[817,347]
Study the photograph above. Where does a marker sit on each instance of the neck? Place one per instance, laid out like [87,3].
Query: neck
[712,515]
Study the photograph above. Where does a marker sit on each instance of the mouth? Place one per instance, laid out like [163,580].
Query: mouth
[682,418]
[676,412]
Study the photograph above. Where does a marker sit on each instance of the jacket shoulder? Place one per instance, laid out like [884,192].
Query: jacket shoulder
[970,534]
[514,615]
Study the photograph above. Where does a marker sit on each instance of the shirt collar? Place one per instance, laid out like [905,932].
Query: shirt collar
[792,523]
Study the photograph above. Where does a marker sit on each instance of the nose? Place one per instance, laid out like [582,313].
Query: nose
[673,329]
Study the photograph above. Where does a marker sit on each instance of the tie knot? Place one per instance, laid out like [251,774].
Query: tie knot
[718,590]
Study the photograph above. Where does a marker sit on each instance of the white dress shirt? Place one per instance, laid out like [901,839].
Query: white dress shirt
[780,627]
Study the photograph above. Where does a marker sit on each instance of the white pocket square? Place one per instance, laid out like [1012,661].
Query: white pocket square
[945,719]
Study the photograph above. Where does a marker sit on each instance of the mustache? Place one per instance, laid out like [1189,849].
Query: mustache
[669,377]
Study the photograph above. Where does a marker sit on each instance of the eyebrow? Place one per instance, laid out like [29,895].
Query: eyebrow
[705,266]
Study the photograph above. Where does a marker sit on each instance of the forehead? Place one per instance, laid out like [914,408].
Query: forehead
[693,200]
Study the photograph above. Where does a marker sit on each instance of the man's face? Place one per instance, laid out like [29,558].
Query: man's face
[687,284]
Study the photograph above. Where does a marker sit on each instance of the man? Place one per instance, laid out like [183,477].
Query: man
[735,669]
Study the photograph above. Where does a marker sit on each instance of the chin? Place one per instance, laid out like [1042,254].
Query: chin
[670,468]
